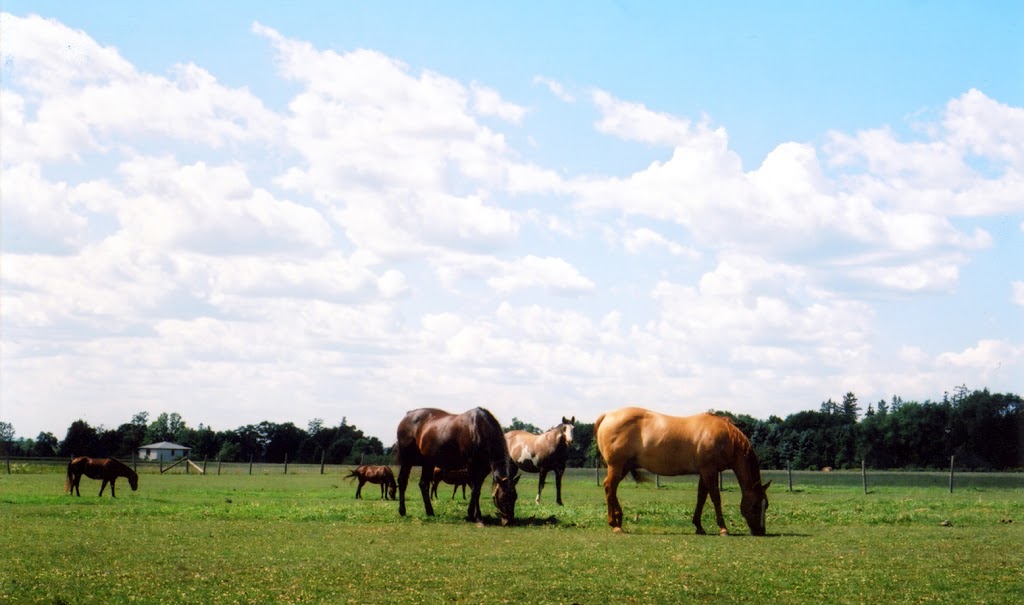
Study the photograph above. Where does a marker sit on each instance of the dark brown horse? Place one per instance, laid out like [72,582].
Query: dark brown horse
[472,440]
[375,474]
[543,453]
[633,438]
[107,469]
[457,478]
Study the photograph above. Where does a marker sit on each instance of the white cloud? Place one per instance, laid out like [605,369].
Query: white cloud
[86,97]
[556,88]
[487,101]
[551,274]
[639,240]
[1018,292]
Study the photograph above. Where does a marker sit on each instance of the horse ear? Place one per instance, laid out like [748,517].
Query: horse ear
[565,420]
[767,485]
[516,480]
[573,421]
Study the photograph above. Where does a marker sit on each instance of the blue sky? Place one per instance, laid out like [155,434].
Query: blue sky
[246,212]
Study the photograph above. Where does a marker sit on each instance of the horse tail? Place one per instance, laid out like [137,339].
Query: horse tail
[597,424]
[352,474]
[67,482]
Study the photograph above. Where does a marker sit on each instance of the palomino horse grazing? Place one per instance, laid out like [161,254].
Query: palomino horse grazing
[633,438]
[472,440]
[375,474]
[543,453]
[107,469]
[457,478]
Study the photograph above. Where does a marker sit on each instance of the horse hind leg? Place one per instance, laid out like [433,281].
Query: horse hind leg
[702,496]
[104,486]
[428,471]
[558,486]
[403,482]
[540,485]
[611,486]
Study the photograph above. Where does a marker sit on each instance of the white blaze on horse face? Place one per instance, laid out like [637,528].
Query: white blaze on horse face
[567,431]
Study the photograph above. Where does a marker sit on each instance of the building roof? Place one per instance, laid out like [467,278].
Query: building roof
[164,445]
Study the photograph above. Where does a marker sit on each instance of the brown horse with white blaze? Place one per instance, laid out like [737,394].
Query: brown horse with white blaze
[107,469]
[543,453]
[633,438]
[473,440]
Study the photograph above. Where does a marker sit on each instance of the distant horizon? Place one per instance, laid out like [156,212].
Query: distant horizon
[260,211]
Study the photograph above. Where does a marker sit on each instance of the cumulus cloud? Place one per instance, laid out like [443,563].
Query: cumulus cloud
[87,97]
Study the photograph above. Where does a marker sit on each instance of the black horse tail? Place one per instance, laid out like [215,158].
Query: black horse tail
[352,474]
[67,482]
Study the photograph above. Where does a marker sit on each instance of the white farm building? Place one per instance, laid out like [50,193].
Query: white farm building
[163,450]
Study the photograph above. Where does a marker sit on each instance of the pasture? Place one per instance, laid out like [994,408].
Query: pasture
[304,538]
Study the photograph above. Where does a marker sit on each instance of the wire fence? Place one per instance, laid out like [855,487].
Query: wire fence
[790,480]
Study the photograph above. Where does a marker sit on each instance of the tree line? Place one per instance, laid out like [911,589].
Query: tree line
[983,430]
[264,442]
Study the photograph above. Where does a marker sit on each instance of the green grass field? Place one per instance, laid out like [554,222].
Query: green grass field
[303,538]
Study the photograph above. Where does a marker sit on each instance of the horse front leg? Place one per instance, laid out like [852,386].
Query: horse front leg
[474,513]
[558,485]
[113,482]
[611,486]
[403,482]
[710,481]
[540,485]
[359,488]
[428,472]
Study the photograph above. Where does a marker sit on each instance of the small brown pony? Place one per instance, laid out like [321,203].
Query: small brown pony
[472,440]
[107,469]
[542,453]
[633,438]
[456,478]
[375,474]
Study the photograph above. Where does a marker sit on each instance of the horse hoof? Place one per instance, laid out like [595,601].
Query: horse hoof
[617,530]
[723,532]
[701,532]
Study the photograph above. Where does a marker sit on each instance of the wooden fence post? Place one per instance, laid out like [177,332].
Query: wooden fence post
[9,466]
[657,481]
[250,464]
[322,455]
[789,471]
[597,472]
[204,465]
[187,460]
[161,465]
[218,465]
[864,474]
[286,463]
[951,474]
[135,464]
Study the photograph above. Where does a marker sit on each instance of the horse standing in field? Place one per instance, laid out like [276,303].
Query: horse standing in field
[473,440]
[457,478]
[107,469]
[542,453]
[632,438]
[375,474]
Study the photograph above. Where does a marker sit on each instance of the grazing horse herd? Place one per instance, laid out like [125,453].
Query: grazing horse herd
[463,449]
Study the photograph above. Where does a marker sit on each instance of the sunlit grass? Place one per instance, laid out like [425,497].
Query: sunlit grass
[304,539]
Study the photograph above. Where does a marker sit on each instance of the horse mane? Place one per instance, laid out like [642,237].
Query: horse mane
[494,441]
[124,467]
